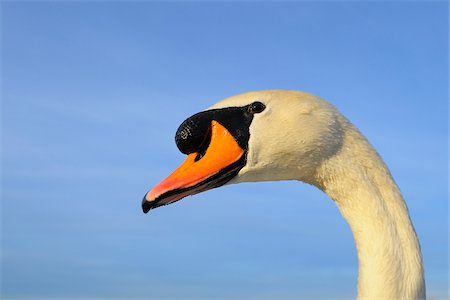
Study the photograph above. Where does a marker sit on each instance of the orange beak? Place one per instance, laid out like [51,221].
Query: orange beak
[222,161]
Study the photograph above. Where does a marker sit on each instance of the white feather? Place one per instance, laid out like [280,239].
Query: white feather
[299,136]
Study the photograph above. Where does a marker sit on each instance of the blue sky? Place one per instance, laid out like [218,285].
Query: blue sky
[93,93]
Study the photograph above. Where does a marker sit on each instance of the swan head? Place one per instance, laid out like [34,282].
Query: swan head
[256,136]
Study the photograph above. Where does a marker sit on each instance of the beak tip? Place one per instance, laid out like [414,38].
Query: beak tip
[146,205]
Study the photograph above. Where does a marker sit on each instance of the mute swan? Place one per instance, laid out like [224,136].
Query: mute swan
[290,135]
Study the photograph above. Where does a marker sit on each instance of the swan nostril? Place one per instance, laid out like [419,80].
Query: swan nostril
[204,146]
[199,156]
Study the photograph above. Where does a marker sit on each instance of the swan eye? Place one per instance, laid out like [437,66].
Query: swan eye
[256,107]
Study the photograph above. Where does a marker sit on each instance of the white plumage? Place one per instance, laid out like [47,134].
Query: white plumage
[301,137]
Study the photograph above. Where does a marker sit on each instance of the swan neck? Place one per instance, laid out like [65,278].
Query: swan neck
[389,256]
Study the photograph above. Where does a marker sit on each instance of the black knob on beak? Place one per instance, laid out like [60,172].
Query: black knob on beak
[194,134]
